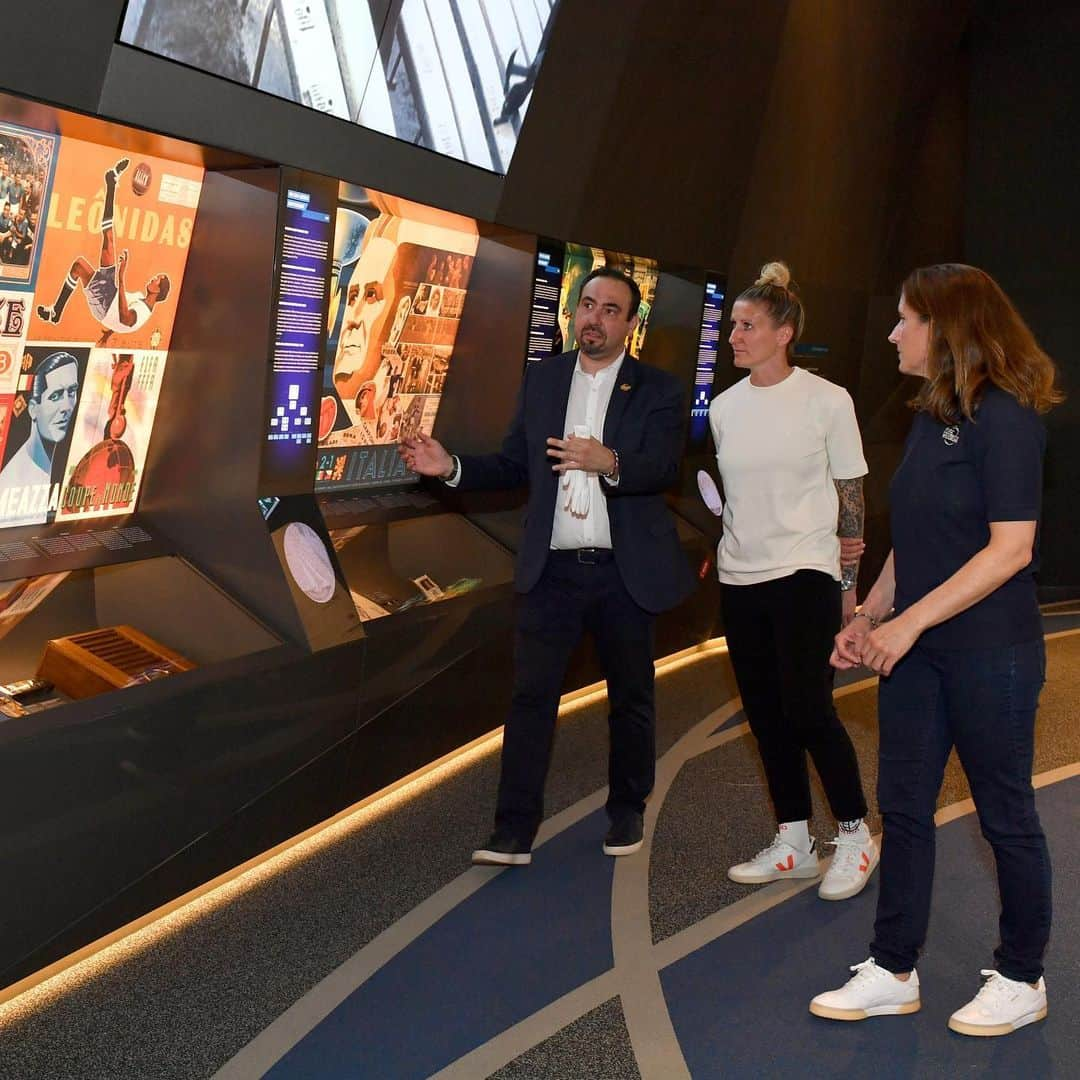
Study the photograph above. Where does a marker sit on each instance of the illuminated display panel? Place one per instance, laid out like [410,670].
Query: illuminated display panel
[454,76]
[712,319]
[93,247]
[400,280]
[306,212]
[559,272]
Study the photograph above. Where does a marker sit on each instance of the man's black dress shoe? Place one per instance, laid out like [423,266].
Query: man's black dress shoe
[503,851]
[625,836]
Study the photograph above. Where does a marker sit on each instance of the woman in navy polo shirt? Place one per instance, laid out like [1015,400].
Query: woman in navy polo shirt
[962,659]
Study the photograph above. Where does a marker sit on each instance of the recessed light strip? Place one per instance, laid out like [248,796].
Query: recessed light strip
[84,965]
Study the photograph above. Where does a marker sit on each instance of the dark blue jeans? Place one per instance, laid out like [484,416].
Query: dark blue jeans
[983,701]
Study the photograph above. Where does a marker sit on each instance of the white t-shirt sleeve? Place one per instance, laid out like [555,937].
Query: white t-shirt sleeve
[843,443]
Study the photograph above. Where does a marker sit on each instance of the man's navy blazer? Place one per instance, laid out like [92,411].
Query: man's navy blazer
[644,425]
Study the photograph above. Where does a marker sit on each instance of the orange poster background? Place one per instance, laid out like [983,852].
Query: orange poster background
[155,226]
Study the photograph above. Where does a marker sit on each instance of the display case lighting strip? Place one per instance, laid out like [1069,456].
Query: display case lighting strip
[36,991]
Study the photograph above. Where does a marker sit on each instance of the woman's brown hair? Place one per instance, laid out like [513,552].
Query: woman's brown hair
[977,338]
[776,293]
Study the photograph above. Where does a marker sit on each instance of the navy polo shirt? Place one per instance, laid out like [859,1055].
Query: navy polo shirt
[953,480]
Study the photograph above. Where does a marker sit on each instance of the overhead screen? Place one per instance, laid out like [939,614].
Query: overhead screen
[454,76]
[93,246]
[559,272]
[399,284]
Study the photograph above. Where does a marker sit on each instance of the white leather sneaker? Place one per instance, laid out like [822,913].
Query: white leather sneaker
[1000,1007]
[871,991]
[855,860]
[778,860]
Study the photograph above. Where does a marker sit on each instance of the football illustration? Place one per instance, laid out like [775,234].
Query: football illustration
[141,178]
[108,471]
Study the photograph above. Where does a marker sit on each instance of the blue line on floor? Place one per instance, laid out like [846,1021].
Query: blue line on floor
[523,940]
[739,1005]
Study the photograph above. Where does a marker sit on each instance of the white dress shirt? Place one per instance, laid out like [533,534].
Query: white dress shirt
[587,407]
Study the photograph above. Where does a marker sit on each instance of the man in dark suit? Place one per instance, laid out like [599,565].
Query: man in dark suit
[597,437]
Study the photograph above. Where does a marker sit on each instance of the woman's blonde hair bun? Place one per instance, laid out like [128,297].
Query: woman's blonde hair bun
[776,292]
[775,273]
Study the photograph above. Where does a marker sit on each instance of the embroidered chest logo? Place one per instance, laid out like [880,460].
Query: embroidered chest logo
[950,436]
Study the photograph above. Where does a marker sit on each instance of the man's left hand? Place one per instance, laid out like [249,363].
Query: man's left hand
[574,452]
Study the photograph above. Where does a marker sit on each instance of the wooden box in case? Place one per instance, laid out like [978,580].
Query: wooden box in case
[82,665]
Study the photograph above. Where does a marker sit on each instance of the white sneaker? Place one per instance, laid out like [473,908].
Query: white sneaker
[856,858]
[1000,1007]
[871,991]
[778,860]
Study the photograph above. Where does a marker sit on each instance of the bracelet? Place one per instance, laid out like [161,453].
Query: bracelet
[614,471]
[874,624]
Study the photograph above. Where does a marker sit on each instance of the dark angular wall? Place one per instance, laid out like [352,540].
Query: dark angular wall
[1023,224]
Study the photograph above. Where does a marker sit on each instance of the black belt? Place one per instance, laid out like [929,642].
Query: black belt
[588,556]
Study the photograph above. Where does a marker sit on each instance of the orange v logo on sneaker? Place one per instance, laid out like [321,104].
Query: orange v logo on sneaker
[864,863]
[790,864]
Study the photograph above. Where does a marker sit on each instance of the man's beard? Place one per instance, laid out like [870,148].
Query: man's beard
[598,344]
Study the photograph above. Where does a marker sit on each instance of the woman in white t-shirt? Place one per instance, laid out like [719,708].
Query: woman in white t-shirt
[791,462]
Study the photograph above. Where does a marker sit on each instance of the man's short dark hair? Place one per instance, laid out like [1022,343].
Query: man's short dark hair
[50,363]
[616,275]
[163,292]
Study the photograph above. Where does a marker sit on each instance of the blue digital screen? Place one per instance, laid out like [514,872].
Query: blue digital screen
[303,261]
[712,319]
[545,336]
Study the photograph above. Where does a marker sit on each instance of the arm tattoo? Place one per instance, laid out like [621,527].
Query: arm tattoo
[852,507]
[850,521]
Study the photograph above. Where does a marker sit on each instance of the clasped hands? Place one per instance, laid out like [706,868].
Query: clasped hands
[576,452]
[880,650]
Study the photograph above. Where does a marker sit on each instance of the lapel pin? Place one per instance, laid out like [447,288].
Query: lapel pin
[625,386]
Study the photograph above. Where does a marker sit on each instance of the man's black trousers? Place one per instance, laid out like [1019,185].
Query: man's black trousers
[579,592]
